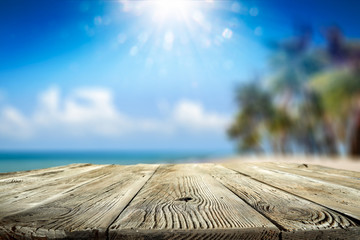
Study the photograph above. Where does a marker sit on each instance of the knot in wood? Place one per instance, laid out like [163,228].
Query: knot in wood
[186,199]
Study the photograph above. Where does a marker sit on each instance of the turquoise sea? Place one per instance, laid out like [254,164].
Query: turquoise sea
[21,161]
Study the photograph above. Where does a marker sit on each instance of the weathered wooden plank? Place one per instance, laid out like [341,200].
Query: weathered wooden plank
[347,234]
[198,234]
[329,170]
[337,197]
[6,175]
[320,173]
[84,212]
[183,198]
[19,193]
[19,182]
[290,213]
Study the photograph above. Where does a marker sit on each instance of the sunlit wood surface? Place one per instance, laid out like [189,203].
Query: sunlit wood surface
[234,200]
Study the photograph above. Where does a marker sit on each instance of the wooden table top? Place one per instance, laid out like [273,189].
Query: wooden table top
[184,201]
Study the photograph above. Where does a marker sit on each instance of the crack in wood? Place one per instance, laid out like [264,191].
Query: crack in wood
[202,201]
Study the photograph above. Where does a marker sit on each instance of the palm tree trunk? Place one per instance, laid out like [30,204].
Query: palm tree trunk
[329,139]
[354,140]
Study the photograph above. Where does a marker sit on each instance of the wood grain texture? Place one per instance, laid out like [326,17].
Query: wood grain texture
[329,170]
[4,175]
[234,234]
[290,213]
[20,182]
[202,234]
[189,201]
[337,197]
[25,191]
[184,197]
[325,174]
[352,233]
[83,212]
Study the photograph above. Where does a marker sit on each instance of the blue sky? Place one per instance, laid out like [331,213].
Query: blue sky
[138,74]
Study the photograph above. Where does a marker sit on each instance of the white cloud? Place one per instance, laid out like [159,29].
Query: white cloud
[193,115]
[92,112]
[86,110]
[13,124]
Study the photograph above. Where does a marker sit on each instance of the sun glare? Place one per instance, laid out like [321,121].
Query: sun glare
[171,23]
[172,9]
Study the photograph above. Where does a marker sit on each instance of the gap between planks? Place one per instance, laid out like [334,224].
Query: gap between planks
[82,213]
[107,228]
[295,216]
[185,199]
[340,177]
[200,233]
[334,196]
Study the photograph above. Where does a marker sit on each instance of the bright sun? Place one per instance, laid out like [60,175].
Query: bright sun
[172,9]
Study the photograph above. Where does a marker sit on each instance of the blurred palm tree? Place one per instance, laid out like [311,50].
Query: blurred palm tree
[255,108]
[339,88]
[291,114]
[293,64]
[340,93]
[257,119]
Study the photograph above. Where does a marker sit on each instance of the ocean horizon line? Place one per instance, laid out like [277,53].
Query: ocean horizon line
[23,161]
